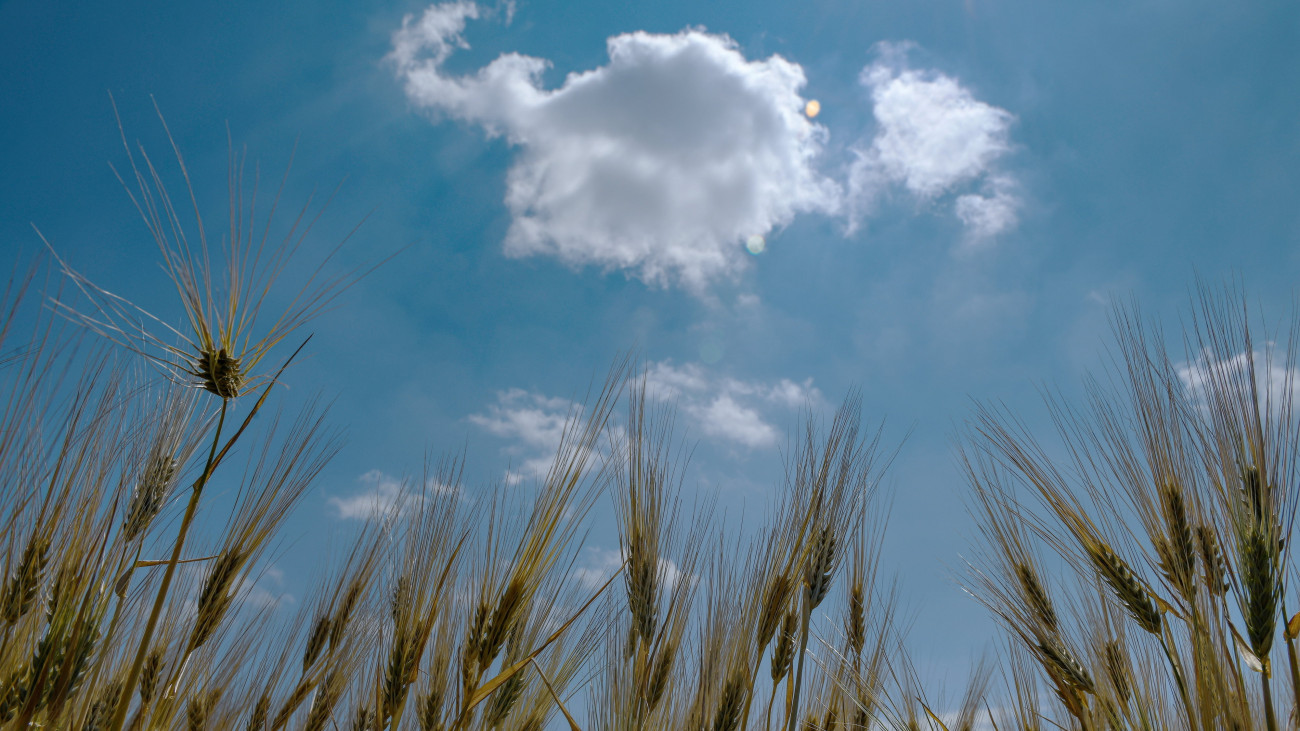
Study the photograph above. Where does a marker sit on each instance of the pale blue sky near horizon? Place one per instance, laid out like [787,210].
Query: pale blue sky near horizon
[982,179]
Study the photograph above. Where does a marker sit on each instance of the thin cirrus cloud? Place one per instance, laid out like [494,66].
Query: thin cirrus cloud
[663,162]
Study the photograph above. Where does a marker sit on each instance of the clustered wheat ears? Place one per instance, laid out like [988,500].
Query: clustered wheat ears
[1141,568]
[447,613]
[1173,502]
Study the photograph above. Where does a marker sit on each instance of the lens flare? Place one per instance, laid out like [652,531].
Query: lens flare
[755,245]
[813,108]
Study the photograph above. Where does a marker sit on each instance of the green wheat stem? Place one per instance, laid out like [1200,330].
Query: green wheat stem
[1269,715]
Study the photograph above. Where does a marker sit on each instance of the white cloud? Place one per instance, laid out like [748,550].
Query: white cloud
[659,163]
[723,418]
[267,592]
[932,138]
[1277,384]
[533,421]
[380,495]
[728,409]
[987,216]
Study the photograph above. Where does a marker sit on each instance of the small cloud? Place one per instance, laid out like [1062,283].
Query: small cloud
[531,418]
[381,495]
[723,418]
[728,409]
[933,137]
[988,215]
[1276,383]
[534,422]
[267,592]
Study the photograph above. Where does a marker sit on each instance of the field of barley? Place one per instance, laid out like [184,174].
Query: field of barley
[566,365]
[1164,502]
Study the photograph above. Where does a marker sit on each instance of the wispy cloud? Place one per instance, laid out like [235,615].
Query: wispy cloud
[266,592]
[727,409]
[1277,384]
[660,163]
[381,494]
[532,422]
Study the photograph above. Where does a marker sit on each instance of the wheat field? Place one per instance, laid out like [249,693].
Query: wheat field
[1137,559]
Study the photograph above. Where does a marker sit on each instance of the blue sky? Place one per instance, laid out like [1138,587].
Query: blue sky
[982,179]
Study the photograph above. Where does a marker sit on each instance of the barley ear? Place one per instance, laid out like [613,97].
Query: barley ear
[1127,588]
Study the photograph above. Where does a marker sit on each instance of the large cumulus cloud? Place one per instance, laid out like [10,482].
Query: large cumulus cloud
[663,161]
[659,163]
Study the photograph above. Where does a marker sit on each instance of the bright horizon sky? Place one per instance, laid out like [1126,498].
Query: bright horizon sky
[568,181]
